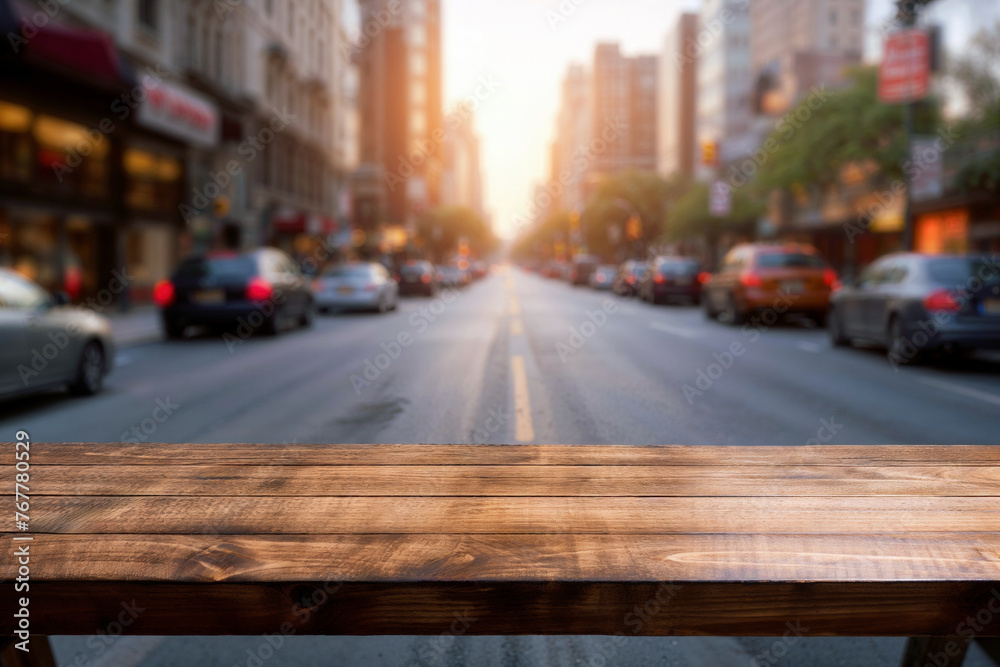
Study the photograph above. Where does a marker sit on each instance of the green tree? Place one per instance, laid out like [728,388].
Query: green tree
[978,78]
[443,229]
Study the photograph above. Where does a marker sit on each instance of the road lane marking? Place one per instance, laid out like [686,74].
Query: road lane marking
[524,430]
[964,391]
[509,284]
[515,306]
[516,327]
[671,329]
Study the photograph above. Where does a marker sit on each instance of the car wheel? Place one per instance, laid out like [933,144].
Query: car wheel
[734,315]
[835,325]
[269,327]
[820,319]
[306,320]
[710,312]
[173,330]
[90,372]
[383,306]
[900,350]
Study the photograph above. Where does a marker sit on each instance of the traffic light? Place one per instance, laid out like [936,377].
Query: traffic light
[633,228]
[709,153]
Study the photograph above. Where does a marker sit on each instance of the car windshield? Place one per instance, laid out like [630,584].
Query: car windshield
[414,269]
[789,260]
[958,271]
[679,267]
[348,272]
[217,267]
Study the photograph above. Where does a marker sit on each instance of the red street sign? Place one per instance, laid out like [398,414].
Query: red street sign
[905,73]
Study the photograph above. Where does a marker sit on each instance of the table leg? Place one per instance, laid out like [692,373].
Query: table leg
[40,654]
[939,651]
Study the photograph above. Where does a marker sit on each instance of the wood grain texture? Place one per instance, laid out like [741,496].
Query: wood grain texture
[234,539]
[242,515]
[501,481]
[541,455]
[736,558]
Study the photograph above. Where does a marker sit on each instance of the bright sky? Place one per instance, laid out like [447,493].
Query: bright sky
[513,44]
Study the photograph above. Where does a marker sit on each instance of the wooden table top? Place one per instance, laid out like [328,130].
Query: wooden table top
[521,539]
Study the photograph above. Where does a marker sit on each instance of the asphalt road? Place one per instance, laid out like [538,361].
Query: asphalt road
[517,358]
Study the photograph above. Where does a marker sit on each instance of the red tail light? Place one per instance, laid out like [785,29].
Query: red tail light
[317,286]
[163,293]
[259,289]
[751,280]
[942,300]
[829,277]
[704,278]
[425,278]
[630,280]
[659,279]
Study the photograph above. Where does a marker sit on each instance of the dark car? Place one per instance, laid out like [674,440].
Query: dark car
[673,280]
[582,268]
[787,278]
[261,291]
[603,278]
[629,277]
[418,277]
[916,304]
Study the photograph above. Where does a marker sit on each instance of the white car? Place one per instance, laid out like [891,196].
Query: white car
[356,286]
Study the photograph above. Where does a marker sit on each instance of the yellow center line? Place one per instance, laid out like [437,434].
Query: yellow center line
[516,327]
[515,305]
[524,430]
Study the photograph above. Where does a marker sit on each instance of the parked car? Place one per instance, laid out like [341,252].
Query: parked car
[582,268]
[788,278]
[479,270]
[915,304]
[264,290]
[673,279]
[453,276]
[356,286]
[46,343]
[629,276]
[418,277]
[603,278]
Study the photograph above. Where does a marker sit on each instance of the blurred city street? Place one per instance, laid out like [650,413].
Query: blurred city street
[623,384]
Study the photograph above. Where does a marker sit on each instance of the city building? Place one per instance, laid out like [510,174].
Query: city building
[725,79]
[573,135]
[623,103]
[186,126]
[401,127]
[677,99]
[462,178]
[797,46]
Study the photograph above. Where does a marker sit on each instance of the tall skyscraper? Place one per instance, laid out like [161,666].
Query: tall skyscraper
[573,134]
[624,103]
[677,99]
[725,81]
[401,121]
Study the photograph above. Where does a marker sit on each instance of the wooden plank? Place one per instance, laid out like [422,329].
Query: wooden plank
[472,481]
[298,454]
[493,558]
[653,609]
[414,515]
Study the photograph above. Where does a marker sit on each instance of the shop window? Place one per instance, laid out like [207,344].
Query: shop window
[149,15]
[16,149]
[152,180]
[70,158]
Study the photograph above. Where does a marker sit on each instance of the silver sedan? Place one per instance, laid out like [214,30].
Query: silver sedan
[356,286]
[45,343]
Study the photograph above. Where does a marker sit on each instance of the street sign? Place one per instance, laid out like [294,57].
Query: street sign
[904,76]
[721,200]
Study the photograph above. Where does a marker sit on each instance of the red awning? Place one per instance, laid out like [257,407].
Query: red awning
[78,52]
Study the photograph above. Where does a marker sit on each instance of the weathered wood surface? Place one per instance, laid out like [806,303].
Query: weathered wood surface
[398,539]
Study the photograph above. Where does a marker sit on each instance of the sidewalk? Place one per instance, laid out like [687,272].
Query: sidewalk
[139,325]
